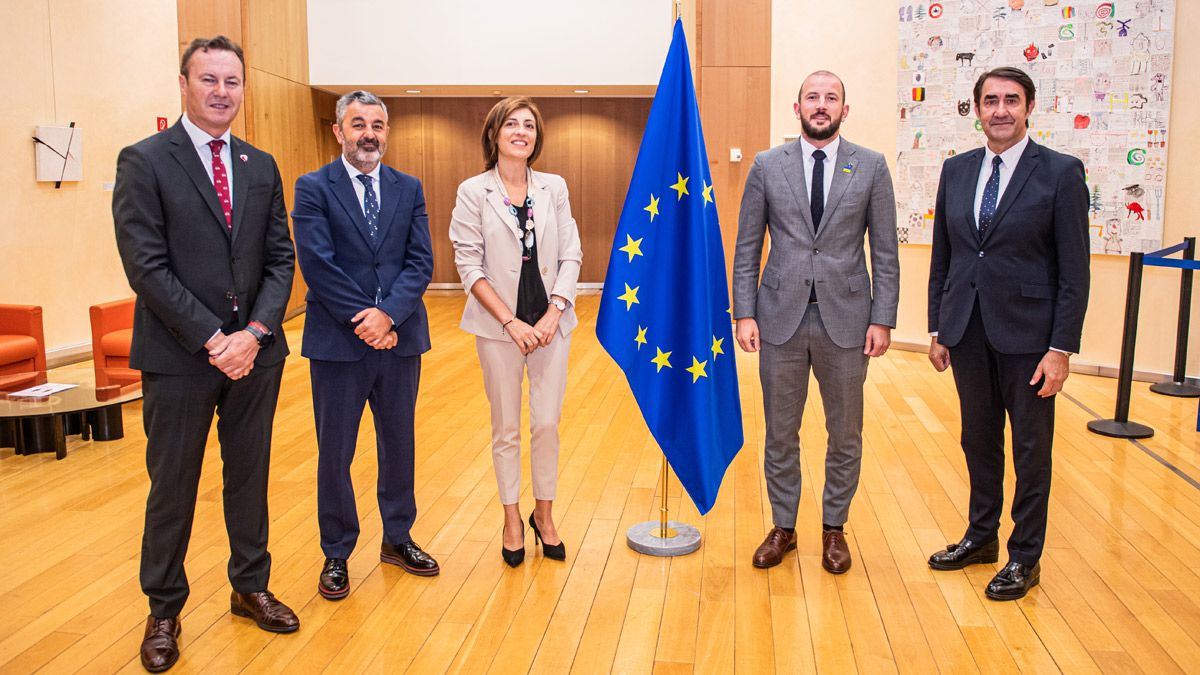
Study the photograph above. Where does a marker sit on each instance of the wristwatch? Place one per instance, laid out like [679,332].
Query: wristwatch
[261,333]
[559,304]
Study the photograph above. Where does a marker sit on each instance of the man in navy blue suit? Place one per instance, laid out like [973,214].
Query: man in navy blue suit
[1008,288]
[362,236]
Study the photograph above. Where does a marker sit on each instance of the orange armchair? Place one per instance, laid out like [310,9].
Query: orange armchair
[112,333]
[22,344]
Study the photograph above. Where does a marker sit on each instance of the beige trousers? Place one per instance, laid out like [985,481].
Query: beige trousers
[503,371]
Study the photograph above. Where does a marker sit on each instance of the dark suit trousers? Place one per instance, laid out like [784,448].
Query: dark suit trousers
[177,413]
[990,385]
[340,390]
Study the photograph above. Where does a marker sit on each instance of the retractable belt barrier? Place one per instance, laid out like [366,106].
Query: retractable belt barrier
[1120,426]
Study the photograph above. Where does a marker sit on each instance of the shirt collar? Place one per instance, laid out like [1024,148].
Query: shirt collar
[201,138]
[831,150]
[1009,157]
[354,173]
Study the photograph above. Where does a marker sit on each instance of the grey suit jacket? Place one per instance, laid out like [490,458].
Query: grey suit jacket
[860,201]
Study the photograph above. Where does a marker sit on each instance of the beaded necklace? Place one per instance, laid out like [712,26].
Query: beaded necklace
[527,240]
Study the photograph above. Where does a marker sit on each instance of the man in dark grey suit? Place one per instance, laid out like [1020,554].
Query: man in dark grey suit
[817,306]
[1008,288]
[202,231]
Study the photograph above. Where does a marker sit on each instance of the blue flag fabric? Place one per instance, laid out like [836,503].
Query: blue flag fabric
[665,315]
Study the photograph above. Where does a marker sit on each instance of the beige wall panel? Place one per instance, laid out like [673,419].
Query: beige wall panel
[612,133]
[277,37]
[406,145]
[734,115]
[562,147]
[736,32]
[61,242]
[866,60]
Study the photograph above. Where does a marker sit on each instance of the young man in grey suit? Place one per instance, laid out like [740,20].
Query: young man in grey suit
[1008,288]
[817,307]
[203,234]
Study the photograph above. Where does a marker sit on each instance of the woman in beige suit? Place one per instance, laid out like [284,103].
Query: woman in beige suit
[517,250]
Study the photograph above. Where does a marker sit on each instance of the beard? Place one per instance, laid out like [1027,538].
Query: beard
[821,134]
[366,153]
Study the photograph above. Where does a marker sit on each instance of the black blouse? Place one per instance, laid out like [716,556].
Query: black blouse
[532,301]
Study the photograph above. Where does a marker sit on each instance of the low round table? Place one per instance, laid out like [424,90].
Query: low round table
[32,425]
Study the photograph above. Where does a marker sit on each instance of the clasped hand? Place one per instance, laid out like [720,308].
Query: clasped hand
[233,353]
[528,338]
[375,328]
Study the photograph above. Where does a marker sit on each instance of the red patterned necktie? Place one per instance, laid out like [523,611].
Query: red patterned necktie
[221,181]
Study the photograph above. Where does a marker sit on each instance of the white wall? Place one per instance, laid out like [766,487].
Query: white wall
[471,42]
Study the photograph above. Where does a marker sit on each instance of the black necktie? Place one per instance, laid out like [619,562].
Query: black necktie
[817,203]
[991,193]
[370,205]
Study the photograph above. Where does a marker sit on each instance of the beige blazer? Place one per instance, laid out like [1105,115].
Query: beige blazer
[487,245]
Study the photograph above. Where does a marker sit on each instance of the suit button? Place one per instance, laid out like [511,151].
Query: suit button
[972,284]
[816,251]
[228,295]
[981,254]
[808,282]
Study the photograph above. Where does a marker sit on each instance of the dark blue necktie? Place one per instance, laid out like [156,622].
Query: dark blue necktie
[817,203]
[370,205]
[991,193]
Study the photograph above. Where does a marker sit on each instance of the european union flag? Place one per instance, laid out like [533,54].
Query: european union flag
[664,316]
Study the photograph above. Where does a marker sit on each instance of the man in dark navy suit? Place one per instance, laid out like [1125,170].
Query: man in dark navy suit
[1008,288]
[202,231]
[363,241]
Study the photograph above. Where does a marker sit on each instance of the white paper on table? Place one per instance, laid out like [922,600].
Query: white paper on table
[41,390]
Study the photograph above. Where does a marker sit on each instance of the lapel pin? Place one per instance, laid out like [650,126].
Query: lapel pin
[244,158]
[848,168]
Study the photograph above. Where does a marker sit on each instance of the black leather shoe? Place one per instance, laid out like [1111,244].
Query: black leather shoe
[410,558]
[335,579]
[552,551]
[514,557]
[1014,581]
[160,645]
[965,552]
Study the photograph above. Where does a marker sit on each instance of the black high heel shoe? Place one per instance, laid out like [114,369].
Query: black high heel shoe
[552,551]
[514,558]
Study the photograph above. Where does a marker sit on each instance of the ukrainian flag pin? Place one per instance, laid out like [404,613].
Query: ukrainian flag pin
[848,168]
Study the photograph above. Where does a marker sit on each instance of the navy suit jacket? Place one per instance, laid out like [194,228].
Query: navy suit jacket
[1029,271]
[345,271]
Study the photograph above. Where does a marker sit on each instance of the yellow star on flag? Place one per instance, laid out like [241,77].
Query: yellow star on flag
[641,338]
[680,186]
[716,347]
[629,296]
[708,194]
[663,359]
[632,247]
[653,208]
[697,369]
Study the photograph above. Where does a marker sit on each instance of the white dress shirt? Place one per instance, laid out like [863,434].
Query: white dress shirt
[829,164]
[201,139]
[1008,164]
[359,188]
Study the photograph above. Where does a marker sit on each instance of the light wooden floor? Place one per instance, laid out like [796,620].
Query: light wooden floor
[1120,583]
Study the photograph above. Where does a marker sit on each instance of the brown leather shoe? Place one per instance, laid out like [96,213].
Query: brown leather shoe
[835,556]
[269,613]
[160,646]
[770,552]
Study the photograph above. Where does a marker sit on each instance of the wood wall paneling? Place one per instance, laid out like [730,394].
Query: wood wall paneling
[277,37]
[209,19]
[452,153]
[735,33]
[612,134]
[735,115]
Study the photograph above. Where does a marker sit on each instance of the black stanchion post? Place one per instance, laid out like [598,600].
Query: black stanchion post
[1178,385]
[1120,426]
